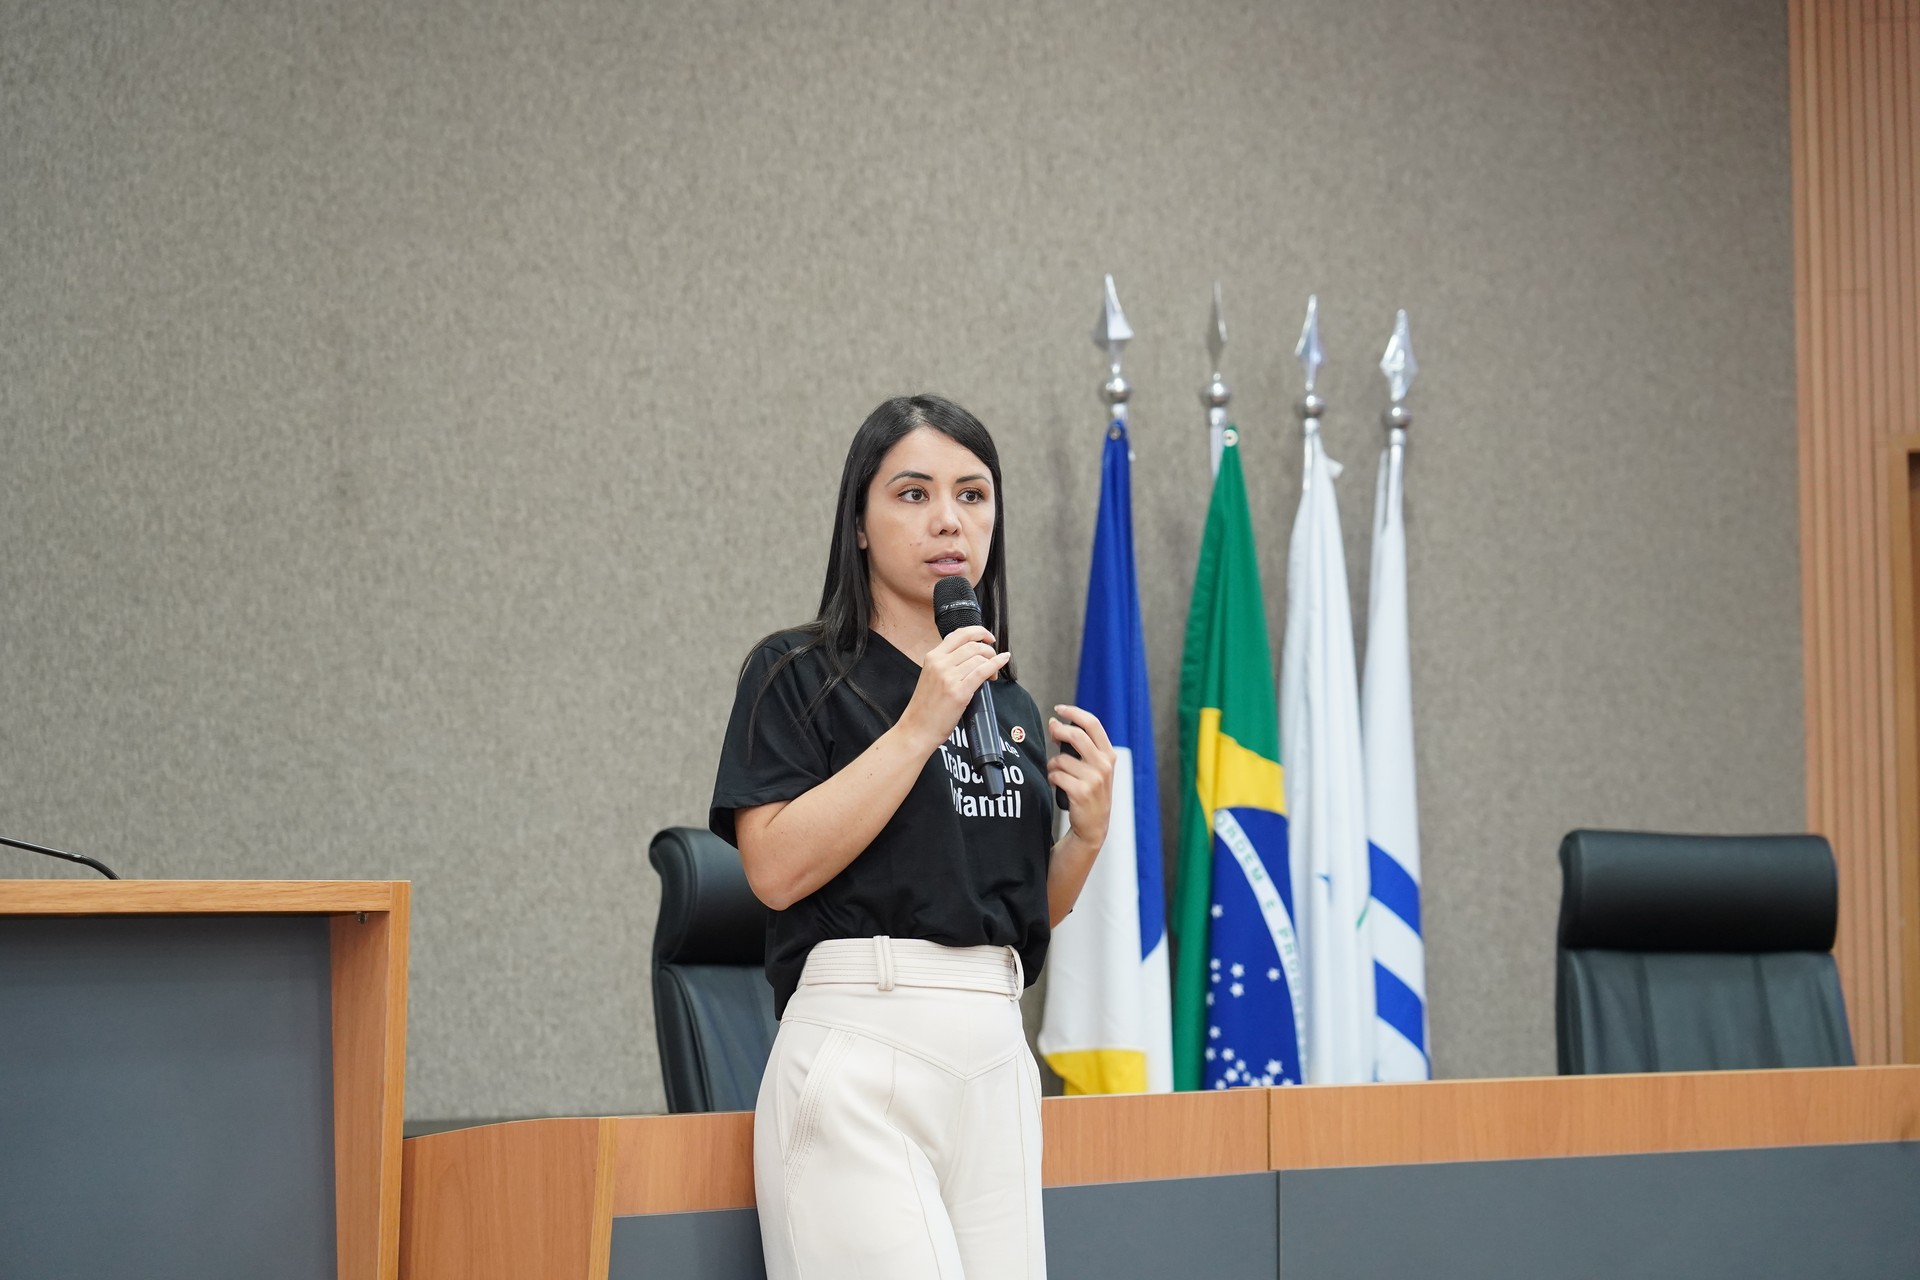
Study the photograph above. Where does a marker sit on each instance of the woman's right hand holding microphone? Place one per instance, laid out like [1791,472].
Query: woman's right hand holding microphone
[949,674]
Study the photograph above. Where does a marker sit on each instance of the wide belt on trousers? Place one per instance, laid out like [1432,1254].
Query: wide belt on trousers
[913,962]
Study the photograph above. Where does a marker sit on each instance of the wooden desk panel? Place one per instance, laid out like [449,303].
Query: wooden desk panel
[1441,1120]
[670,1164]
[368,942]
[531,1198]
[195,897]
[1167,1135]
[369,952]
[537,1197]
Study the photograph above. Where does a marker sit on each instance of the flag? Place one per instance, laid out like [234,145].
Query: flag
[1326,797]
[1236,1012]
[1107,1027]
[1393,826]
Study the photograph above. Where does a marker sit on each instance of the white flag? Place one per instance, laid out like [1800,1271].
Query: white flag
[1393,824]
[1326,800]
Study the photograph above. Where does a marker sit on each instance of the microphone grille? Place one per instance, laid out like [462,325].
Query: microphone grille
[955,605]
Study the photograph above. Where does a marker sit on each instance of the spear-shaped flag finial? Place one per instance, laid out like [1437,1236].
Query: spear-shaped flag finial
[1113,333]
[1398,362]
[1217,331]
[1218,394]
[1308,350]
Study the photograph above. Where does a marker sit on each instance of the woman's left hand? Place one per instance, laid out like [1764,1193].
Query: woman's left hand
[1086,780]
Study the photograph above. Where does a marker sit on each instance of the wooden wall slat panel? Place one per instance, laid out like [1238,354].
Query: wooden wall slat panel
[1907,591]
[1871,304]
[1887,395]
[1907,411]
[1834,426]
[1903,491]
[1857,251]
[1856,422]
[1880,357]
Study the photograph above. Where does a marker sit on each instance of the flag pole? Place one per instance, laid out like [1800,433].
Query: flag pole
[1402,1044]
[1311,407]
[1218,394]
[1107,1026]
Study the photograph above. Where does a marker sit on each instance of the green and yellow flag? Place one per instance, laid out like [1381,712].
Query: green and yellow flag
[1234,1018]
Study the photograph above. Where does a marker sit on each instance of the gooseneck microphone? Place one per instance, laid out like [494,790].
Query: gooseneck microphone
[80,858]
[955,606]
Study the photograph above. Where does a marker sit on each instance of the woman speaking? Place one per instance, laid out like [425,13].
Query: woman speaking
[897,1132]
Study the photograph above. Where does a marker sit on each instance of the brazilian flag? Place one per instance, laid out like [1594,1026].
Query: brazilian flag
[1236,1018]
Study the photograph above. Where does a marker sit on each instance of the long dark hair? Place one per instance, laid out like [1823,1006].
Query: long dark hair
[839,632]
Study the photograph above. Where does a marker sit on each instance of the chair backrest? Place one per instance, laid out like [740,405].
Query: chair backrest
[1697,953]
[712,1005]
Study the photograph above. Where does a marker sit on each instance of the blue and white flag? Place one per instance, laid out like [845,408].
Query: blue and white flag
[1107,1027]
[1326,799]
[1393,823]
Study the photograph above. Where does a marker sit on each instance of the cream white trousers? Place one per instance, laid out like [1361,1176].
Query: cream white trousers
[897,1134]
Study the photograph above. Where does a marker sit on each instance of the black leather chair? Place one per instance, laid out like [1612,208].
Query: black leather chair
[712,1006]
[1697,953]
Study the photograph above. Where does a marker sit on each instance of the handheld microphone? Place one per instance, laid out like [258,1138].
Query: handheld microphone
[955,606]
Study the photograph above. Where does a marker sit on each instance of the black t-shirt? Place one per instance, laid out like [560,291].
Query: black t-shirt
[953,865]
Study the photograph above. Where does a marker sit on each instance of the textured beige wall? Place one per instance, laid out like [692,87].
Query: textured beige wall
[409,413]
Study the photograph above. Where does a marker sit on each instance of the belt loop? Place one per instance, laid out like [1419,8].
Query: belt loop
[1019,975]
[883,957]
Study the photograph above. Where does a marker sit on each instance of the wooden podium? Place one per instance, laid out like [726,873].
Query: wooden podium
[1734,1173]
[202,1077]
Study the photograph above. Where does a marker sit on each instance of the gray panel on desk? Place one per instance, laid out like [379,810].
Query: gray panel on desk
[166,1098]
[714,1244]
[1836,1212]
[1113,1231]
[1221,1228]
